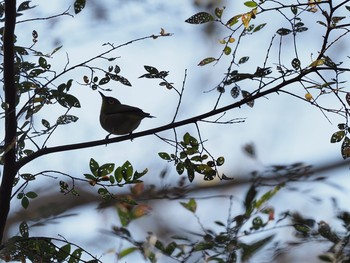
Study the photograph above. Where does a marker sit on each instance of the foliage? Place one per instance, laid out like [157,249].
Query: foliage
[34,87]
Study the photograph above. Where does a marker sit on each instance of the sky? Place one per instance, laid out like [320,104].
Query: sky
[283,129]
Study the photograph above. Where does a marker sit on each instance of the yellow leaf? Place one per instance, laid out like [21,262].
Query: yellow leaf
[317,62]
[246,19]
[231,40]
[308,96]
[222,41]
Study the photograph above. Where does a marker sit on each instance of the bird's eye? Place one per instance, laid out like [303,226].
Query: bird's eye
[110,101]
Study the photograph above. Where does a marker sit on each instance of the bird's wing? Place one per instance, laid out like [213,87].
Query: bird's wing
[131,110]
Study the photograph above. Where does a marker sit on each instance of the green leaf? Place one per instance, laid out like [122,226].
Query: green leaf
[127,171]
[200,18]
[345,148]
[259,27]
[43,62]
[75,257]
[79,5]
[218,12]
[227,50]
[118,175]
[337,136]
[25,202]
[191,205]
[249,250]
[294,9]
[36,72]
[206,61]
[31,195]
[94,167]
[220,161]
[164,156]
[24,230]
[126,252]
[64,252]
[251,4]
[106,169]
[180,168]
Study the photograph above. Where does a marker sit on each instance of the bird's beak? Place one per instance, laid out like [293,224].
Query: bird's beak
[103,96]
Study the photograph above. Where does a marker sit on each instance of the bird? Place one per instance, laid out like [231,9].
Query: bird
[120,119]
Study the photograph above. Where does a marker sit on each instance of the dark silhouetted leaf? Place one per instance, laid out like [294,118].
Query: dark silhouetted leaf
[206,61]
[200,18]
[337,136]
[79,5]
[284,31]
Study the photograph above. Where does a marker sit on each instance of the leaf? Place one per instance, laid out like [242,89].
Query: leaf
[345,148]
[347,7]
[191,205]
[75,256]
[23,229]
[235,91]
[200,18]
[164,156]
[66,119]
[294,9]
[25,202]
[233,20]
[347,97]
[151,69]
[243,60]
[105,169]
[126,252]
[42,62]
[93,167]
[127,171]
[24,6]
[246,94]
[227,50]
[206,61]
[218,12]
[31,195]
[79,5]
[259,27]
[284,31]
[296,63]
[246,19]
[337,136]
[249,250]
[45,123]
[251,4]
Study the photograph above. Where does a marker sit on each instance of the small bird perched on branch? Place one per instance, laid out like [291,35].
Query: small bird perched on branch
[119,119]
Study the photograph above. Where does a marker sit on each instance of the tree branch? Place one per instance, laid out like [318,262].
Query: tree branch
[9,158]
[169,126]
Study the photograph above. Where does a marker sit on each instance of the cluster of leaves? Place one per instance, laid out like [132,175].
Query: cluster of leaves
[341,135]
[154,73]
[192,158]
[224,246]
[112,73]
[107,175]
[40,249]
[307,229]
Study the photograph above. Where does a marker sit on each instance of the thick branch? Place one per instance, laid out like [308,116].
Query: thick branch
[9,158]
[169,126]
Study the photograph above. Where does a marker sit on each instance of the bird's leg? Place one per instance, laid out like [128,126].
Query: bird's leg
[107,137]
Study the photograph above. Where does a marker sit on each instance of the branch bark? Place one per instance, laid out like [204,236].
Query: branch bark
[9,158]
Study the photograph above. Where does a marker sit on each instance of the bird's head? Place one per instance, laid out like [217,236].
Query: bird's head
[109,104]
